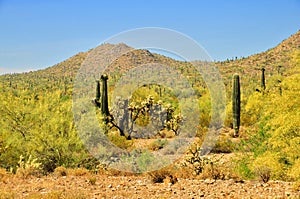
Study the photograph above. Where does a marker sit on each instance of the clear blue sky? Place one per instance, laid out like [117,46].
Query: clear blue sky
[36,34]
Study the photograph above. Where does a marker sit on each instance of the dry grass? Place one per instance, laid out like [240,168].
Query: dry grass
[7,195]
[58,195]
[3,173]
[78,172]
[60,171]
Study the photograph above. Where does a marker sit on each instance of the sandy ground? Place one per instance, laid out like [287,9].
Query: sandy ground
[103,186]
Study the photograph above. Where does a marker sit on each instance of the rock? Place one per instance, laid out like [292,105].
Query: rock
[209,181]
[265,185]
[201,194]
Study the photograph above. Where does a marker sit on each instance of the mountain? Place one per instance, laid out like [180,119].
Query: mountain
[273,60]
[276,61]
[36,115]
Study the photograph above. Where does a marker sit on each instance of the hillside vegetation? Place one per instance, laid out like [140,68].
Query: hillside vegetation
[36,115]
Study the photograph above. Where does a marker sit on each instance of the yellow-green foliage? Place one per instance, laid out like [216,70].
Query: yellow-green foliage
[30,167]
[120,141]
[294,172]
[269,161]
[276,144]
[38,123]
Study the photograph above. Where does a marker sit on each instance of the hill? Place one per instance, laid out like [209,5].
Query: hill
[37,120]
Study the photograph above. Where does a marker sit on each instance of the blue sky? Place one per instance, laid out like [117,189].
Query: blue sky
[37,34]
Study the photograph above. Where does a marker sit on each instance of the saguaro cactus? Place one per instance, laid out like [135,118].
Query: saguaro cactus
[263,85]
[236,104]
[98,94]
[104,98]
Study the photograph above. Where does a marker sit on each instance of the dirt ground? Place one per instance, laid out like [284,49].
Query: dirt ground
[104,186]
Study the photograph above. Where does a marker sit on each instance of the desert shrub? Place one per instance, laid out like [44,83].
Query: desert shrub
[160,175]
[212,166]
[92,180]
[78,172]
[242,167]
[46,131]
[144,162]
[263,172]
[60,171]
[120,141]
[93,164]
[214,170]
[194,160]
[296,185]
[28,168]
[294,172]
[158,144]
[268,166]
[205,114]
[274,148]
[223,145]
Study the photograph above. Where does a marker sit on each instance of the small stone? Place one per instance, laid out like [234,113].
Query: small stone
[109,186]
[169,189]
[265,185]
[209,181]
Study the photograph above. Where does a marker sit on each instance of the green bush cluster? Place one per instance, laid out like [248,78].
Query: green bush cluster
[272,149]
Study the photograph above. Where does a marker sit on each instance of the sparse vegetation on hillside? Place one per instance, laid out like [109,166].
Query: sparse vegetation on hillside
[37,121]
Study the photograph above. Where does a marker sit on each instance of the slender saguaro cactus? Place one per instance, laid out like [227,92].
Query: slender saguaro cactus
[98,94]
[263,85]
[236,104]
[104,98]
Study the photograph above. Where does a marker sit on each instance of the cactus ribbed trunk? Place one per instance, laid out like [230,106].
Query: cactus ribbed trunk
[104,98]
[236,104]
[263,85]
[98,94]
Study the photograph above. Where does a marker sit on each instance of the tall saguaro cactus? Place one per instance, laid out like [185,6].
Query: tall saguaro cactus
[236,104]
[263,84]
[104,98]
[98,94]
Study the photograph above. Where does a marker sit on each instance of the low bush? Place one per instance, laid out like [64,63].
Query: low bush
[120,141]
[296,185]
[28,168]
[264,173]
[92,180]
[60,171]
[158,144]
[159,176]
[223,145]
[78,172]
